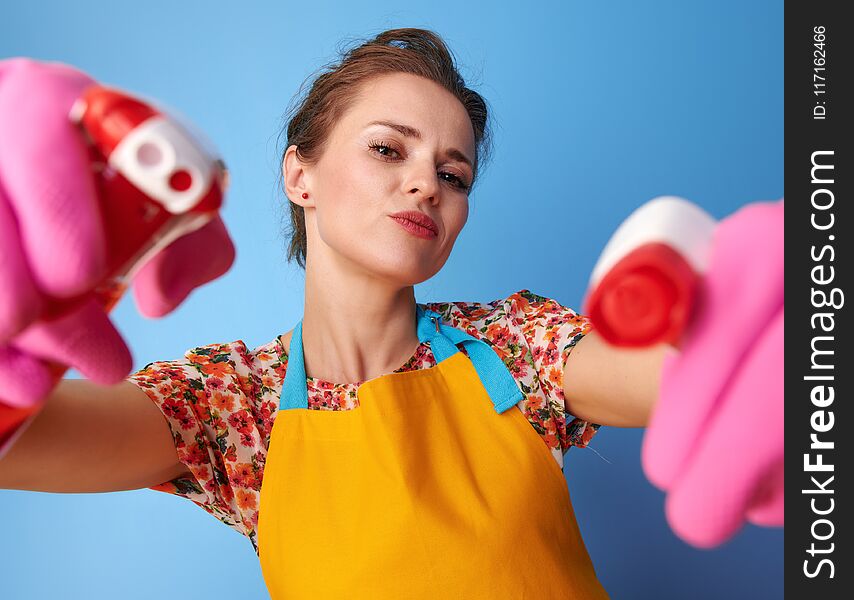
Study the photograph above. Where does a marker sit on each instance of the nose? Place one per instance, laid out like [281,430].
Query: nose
[423,181]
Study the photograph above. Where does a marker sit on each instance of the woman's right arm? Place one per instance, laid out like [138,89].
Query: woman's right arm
[92,438]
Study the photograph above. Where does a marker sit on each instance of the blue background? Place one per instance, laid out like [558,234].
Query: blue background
[598,107]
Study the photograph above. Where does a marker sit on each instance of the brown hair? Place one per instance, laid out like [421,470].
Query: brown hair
[310,121]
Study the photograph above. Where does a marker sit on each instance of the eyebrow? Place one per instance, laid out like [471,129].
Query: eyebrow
[408,131]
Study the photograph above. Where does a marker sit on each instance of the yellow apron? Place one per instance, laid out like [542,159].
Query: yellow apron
[433,487]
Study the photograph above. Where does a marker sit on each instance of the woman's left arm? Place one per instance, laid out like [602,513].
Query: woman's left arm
[610,385]
[726,376]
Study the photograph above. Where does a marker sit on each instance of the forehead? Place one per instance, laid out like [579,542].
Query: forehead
[413,101]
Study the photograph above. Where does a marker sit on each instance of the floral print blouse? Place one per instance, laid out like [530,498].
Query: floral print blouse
[221,400]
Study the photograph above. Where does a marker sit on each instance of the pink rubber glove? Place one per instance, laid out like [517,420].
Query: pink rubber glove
[52,243]
[715,440]
[672,274]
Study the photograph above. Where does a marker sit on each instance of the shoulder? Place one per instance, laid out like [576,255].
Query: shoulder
[523,312]
[220,358]
[533,334]
[218,370]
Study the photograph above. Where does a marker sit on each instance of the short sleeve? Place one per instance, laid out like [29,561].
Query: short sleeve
[218,405]
[551,330]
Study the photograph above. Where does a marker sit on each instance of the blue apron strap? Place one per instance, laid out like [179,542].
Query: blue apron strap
[294,390]
[493,373]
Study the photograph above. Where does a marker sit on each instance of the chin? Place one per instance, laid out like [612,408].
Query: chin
[402,268]
[402,262]
[406,273]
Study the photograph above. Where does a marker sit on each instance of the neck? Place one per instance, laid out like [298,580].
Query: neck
[355,327]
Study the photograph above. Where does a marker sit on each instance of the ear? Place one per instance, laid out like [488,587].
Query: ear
[296,178]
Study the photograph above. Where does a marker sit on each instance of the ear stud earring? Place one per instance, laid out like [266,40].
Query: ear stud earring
[304,195]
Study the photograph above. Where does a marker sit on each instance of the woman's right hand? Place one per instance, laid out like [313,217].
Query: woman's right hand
[53,246]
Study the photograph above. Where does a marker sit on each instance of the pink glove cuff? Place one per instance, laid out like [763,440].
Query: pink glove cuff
[728,474]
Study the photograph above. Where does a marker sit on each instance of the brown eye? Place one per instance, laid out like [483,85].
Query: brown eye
[454,180]
[383,149]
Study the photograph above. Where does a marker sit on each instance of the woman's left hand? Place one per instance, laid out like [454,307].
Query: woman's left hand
[715,437]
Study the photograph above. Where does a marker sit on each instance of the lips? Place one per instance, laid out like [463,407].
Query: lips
[419,218]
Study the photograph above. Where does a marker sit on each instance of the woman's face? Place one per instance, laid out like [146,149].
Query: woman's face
[405,145]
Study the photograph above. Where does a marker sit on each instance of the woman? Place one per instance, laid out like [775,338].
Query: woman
[420,444]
